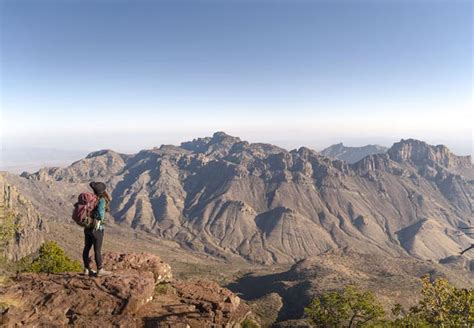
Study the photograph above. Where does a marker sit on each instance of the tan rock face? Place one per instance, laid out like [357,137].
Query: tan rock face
[139,262]
[419,152]
[27,223]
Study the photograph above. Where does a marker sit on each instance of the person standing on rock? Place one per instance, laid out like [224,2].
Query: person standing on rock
[94,236]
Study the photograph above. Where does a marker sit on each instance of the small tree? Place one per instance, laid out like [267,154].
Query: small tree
[53,259]
[350,307]
[443,305]
[410,319]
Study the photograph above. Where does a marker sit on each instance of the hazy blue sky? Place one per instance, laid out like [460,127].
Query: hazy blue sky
[128,75]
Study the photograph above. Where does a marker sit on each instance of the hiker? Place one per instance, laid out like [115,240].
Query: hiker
[94,235]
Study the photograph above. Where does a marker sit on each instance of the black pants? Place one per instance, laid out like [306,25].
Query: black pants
[93,238]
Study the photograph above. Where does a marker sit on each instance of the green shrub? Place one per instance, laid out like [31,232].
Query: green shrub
[22,265]
[349,307]
[8,226]
[441,305]
[249,323]
[162,288]
[53,259]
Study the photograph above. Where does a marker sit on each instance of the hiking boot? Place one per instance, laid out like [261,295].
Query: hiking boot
[88,272]
[103,272]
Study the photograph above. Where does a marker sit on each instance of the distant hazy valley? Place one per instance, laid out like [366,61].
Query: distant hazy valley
[21,159]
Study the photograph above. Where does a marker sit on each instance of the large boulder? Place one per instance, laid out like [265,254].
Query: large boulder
[61,299]
[139,262]
[212,300]
[198,303]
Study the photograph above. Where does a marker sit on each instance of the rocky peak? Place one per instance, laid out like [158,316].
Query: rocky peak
[222,137]
[219,144]
[109,156]
[102,152]
[101,164]
[338,146]
[198,145]
[304,150]
[420,153]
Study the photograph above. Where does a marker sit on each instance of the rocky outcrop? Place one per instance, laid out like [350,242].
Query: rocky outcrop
[420,153]
[129,297]
[58,300]
[139,262]
[214,303]
[22,225]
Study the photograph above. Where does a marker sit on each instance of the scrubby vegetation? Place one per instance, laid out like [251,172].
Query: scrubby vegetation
[8,226]
[441,305]
[162,288]
[249,323]
[350,307]
[52,259]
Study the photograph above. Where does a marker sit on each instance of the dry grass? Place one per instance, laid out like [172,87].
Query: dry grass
[4,280]
[7,301]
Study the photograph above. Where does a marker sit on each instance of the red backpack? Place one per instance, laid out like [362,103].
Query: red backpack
[82,213]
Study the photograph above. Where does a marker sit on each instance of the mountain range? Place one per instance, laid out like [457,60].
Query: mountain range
[230,198]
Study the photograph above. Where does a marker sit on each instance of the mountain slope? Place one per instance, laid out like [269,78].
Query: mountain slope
[393,280]
[228,197]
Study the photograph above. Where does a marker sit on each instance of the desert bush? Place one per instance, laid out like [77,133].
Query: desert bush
[162,288]
[53,259]
[249,323]
[405,319]
[350,307]
[441,305]
[22,265]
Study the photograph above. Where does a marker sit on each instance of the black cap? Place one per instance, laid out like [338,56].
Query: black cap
[98,187]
